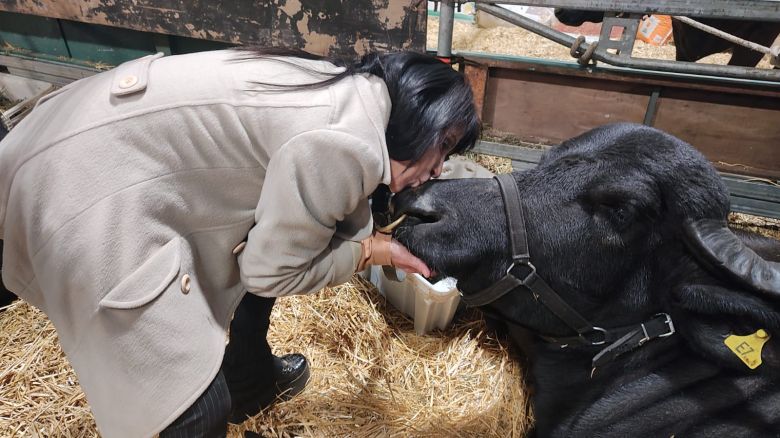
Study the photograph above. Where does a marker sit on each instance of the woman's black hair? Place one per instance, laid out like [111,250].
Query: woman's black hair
[429,99]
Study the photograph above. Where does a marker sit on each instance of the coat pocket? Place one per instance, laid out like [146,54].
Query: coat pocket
[148,281]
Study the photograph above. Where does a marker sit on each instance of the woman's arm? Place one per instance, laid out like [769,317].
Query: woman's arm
[312,182]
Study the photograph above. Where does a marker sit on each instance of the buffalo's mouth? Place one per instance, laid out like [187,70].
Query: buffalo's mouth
[408,233]
[415,230]
[414,218]
[415,214]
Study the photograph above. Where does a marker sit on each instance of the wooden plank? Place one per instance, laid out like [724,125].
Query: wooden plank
[48,71]
[739,134]
[548,109]
[751,188]
[516,153]
[324,27]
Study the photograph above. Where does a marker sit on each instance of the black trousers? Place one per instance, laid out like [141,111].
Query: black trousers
[247,368]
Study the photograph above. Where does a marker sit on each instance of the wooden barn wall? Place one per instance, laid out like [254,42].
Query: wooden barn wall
[330,27]
[738,132]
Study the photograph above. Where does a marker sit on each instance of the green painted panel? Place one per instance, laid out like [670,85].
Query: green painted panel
[106,45]
[181,44]
[20,33]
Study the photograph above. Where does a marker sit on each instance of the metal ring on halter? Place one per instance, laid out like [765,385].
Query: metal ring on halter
[527,277]
[600,330]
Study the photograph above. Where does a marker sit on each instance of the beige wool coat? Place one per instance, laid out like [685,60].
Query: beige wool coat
[126,199]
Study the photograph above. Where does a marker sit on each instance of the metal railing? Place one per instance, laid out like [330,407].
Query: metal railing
[618,53]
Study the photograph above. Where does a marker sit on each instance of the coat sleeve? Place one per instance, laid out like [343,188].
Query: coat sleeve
[312,182]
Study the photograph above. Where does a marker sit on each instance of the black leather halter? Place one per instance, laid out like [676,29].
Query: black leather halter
[522,274]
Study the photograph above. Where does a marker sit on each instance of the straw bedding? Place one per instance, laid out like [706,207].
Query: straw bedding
[372,376]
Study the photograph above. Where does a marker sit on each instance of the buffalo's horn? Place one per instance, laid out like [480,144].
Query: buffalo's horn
[715,245]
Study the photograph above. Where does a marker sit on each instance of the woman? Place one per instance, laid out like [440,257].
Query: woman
[139,205]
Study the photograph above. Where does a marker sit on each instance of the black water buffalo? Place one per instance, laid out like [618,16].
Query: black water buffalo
[628,226]
[692,44]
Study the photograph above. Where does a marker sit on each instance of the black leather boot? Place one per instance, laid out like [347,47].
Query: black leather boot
[291,373]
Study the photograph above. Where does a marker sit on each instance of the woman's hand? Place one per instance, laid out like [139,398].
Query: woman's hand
[402,259]
[381,249]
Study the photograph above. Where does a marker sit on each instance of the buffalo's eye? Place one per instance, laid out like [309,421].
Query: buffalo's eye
[622,216]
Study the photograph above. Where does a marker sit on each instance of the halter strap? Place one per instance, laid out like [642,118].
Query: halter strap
[522,274]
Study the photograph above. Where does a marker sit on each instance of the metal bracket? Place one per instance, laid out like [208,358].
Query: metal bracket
[652,107]
[624,44]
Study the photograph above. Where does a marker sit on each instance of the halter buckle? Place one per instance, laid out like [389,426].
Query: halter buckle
[667,321]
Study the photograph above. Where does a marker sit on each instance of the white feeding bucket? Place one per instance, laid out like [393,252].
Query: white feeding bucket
[432,306]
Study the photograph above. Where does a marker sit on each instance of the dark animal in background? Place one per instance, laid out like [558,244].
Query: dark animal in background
[6,296]
[628,225]
[692,44]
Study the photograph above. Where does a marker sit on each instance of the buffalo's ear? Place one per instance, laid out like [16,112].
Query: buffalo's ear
[705,315]
[715,246]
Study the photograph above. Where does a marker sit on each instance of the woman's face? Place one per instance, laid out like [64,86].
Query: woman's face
[406,174]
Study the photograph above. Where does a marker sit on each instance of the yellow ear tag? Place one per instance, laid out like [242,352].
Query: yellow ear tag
[748,348]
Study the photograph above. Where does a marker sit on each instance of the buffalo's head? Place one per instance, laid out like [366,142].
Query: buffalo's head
[623,222]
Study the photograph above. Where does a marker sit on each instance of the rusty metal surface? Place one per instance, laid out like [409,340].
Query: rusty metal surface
[717,85]
[737,131]
[477,77]
[323,26]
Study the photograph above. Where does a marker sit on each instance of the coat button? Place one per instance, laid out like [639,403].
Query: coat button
[240,247]
[128,81]
[185,284]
